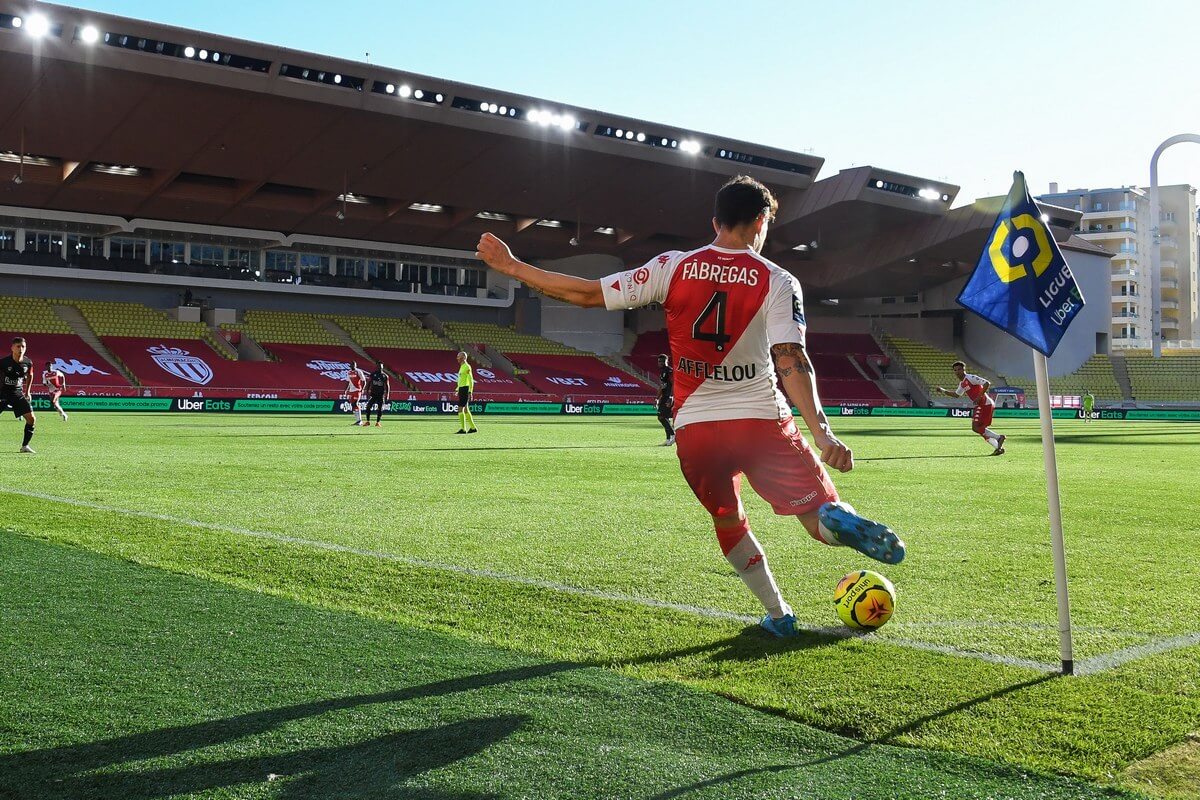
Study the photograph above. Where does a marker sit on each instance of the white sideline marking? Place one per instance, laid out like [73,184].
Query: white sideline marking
[1084,667]
[1090,666]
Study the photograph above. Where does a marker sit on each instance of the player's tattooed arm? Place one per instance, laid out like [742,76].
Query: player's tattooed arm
[567,288]
[799,380]
[790,357]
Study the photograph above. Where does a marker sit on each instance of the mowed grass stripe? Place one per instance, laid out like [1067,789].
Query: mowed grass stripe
[122,681]
[580,591]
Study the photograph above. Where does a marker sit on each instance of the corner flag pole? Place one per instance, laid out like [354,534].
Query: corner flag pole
[1046,414]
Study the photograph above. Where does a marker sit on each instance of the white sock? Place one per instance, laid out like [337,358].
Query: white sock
[991,438]
[357,414]
[750,563]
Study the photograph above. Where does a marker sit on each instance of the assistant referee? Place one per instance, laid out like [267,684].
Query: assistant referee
[466,385]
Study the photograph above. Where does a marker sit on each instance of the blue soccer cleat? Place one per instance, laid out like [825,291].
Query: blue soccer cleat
[873,539]
[782,628]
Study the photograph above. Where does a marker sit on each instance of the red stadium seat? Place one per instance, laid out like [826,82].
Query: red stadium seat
[193,366]
[86,370]
[437,371]
[580,377]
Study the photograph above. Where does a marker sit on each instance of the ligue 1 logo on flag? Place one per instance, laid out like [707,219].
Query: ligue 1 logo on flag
[1022,283]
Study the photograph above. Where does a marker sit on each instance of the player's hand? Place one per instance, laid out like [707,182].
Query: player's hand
[495,253]
[834,453]
[940,390]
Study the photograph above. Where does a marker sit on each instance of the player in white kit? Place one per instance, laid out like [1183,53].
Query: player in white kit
[56,383]
[356,379]
[735,321]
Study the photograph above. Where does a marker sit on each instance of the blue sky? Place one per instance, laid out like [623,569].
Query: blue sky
[1075,92]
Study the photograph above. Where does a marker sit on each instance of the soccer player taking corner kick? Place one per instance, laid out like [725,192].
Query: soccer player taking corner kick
[976,389]
[735,320]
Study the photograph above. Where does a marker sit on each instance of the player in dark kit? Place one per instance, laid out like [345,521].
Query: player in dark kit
[380,386]
[666,397]
[16,381]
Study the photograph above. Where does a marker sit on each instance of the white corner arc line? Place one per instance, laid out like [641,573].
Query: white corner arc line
[1088,666]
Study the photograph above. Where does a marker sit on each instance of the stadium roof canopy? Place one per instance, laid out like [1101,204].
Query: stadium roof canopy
[103,114]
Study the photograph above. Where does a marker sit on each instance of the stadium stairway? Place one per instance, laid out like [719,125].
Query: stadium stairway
[928,366]
[223,345]
[339,333]
[1121,373]
[367,362]
[80,327]
[491,357]
[247,348]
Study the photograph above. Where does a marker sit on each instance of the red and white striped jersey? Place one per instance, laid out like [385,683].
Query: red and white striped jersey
[355,380]
[725,309]
[54,379]
[972,387]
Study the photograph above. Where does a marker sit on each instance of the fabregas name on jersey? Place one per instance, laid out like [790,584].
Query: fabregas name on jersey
[720,273]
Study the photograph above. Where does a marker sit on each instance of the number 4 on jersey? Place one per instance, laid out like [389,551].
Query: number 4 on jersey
[715,307]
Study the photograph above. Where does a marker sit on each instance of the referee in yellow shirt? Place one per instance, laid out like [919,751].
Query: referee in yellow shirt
[466,385]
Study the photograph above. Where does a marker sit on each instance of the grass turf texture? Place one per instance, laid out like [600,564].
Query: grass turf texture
[122,681]
[592,503]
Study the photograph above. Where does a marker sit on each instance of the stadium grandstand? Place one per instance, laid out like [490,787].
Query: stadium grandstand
[169,247]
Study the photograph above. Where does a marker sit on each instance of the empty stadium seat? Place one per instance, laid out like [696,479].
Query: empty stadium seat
[391,332]
[286,327]
[931,364]
[30,315]
[1174,378]
[1095,375]
[87,372]
[579,376]
[506,340]
[133,319]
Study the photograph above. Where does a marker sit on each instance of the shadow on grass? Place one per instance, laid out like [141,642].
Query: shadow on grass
[374,768]
[371,768]
[860,747]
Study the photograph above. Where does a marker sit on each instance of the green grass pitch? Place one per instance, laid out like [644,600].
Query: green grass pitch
[575,542]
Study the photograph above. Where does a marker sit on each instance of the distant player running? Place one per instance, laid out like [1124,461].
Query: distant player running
[355,381]
[1089,405]
[380,386]
[56,383]
[16,382]
[976,389]
[666,397]
[466,385]
[734,321]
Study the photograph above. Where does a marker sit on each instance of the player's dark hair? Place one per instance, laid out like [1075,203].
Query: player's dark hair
[19,340]
[741,200]
[49,364]
[958,364]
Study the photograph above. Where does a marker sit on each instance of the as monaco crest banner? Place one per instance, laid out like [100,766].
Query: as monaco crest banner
[1022,283]
[181,363]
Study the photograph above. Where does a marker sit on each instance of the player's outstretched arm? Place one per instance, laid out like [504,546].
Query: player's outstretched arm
[799,382]
[568,288]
